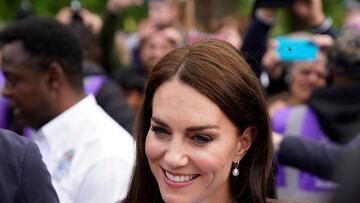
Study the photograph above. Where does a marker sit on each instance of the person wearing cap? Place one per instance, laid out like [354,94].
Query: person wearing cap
[337,110]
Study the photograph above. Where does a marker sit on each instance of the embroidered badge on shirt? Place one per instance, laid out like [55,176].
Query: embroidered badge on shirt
[64,165]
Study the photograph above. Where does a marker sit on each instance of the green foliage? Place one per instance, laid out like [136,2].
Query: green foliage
[132,16]
[332,8]
[336,10]
[244,7]
[9,8]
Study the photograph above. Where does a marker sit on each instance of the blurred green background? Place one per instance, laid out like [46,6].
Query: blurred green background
[215,8]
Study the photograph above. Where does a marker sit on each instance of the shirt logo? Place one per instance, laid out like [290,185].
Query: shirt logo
[64,164]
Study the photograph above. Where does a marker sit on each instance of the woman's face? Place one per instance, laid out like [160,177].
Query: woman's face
[156,46]
[191,145]
[306,77]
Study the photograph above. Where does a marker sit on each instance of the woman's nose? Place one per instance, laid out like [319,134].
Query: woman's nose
[176,155]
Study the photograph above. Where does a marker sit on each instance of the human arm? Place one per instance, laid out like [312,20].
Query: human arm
[107,33]
[314,157]
[255,39]
[311,11]
[334,162]
[349,179]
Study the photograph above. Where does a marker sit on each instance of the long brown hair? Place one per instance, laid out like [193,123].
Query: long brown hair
[217,70]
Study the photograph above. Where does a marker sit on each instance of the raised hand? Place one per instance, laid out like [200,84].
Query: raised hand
[311,11]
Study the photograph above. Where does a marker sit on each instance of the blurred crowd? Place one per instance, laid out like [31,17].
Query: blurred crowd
[311,79]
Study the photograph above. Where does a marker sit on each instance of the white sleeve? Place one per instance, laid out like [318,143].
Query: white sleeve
[105,182]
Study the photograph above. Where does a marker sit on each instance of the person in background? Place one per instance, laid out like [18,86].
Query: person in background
[329,161]
[107,92]
[231,29]
[337,109]
[89,156]
[162,14]
[256,37]
[290,119]
[153,47]
[203,130]
[302,76]
[23,176]
[90,19]
[165,13]
[132,85]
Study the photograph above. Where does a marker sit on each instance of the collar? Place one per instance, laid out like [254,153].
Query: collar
[64,130]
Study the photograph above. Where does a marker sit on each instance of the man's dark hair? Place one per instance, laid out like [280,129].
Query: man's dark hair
[344,56]
[47,41]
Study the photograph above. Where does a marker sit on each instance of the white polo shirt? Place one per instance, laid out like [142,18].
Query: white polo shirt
[89,156]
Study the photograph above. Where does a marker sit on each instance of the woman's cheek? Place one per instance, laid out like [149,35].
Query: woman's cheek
[153,147]
[208,163]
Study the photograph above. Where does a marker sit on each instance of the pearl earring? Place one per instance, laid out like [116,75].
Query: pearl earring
[235,172]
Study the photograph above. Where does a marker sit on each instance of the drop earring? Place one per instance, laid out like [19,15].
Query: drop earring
[235,171]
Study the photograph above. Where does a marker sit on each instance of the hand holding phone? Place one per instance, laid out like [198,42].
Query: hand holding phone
[296,49]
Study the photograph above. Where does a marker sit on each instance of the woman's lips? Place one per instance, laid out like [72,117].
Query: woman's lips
[179,180]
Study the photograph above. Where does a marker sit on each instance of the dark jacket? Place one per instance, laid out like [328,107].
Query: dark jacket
[317,158]
[111,98]
[335,162]
[23,175]
[349,178]
[254,46]
[338,111]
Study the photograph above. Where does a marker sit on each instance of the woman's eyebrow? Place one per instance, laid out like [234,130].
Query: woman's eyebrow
[189,129]
[202,127]
[159,122]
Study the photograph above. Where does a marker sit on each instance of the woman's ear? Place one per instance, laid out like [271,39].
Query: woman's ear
[245,141]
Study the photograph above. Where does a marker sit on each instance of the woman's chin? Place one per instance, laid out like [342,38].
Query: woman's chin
[172,198]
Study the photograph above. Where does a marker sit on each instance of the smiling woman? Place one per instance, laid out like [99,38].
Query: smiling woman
[203,130]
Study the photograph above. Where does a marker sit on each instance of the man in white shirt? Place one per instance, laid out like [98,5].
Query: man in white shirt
[88,155]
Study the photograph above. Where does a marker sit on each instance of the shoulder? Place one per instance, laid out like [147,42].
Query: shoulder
[13,144]
[14,155]
[12,152]
[22,168]
[8,137]
[117,143]
[16,152]
[109,138]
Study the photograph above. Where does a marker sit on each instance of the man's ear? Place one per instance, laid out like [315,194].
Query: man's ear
[54,76]
[244,142]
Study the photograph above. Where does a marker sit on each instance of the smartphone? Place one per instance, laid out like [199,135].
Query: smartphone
[274,3]
[296,49]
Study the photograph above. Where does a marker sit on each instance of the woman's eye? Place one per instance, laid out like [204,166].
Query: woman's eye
[159,131]
[201,139]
